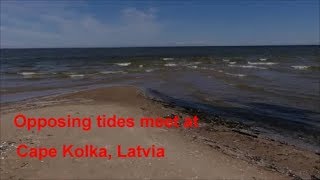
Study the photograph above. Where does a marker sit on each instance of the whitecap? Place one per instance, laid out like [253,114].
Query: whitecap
[141,66]
[225,60]
[247,66]
[149,70]
[27,73]
[261,63]
[238,75]
[76,75]
[232,62]
[263,59]
[300,67]
[123,64]
[170,64]
[167,59]
[193,67]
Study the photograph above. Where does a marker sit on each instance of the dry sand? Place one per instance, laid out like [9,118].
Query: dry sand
[209,152]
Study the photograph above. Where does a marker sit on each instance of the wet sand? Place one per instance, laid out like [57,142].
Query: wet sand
[216,150]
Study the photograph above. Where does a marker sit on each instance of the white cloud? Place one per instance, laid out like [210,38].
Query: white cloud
[55,25]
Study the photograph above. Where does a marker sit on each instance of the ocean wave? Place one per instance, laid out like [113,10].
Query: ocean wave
[316,68]
[167,59]
[237,75]
[141,66]
[111,72]
[263,59]
[193,67]
[300,67]
[27,73]
[225,60]
[247,66]
[76,75]
[149,70]
[233,62]
[170,64]
[262,63]
[124,64]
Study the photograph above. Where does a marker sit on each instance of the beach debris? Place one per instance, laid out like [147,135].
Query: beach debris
[5,145]
[244,132]
[24,164]
[169,116]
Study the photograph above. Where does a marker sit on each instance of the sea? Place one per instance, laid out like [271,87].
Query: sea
[274,89]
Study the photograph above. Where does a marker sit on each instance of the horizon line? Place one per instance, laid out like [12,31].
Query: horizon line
[169,46]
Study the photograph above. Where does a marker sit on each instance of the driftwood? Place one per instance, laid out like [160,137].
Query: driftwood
[244,133]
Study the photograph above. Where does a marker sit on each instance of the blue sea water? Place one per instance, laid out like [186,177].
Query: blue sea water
[275,87]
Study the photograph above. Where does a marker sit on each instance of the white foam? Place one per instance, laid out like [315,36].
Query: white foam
[140,66]
[149,70]
[247,66]
[170,64]
[225,60]
[263,59]
[300,67]
[237,75]
[167,59]
[124,64]
[27,73]
[262,63]
[232,62]
[76,75]
[193,67]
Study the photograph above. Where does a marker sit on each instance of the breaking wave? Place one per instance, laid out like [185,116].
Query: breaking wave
[247,66]
[167,59]
[27,73]
[237,75]
[300,67]
[262,63]
[76,75]
[124,64]
[170,64]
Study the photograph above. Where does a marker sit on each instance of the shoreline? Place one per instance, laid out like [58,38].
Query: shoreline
[229,139]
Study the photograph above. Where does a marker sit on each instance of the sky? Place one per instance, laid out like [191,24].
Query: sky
[98,23]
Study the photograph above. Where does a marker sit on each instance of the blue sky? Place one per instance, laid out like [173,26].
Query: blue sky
[99,23]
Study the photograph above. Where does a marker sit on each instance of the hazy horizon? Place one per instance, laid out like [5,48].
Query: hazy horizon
[157,46]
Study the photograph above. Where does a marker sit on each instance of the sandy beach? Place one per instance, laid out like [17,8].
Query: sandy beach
[215,150]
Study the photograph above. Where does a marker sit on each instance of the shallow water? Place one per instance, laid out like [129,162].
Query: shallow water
[271,87]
